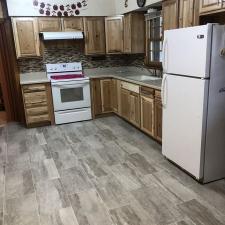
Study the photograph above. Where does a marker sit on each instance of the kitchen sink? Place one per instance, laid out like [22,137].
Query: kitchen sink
[143,78]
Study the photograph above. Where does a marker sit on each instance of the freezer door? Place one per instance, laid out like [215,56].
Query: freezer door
[184,118]
[186,51]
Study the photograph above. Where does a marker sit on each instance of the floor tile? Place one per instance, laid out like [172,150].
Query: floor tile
[89,209]
[21,211]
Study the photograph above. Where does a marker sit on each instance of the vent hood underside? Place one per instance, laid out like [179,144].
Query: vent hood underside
[62,35]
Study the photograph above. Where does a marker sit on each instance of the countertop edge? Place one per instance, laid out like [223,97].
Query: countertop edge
[125,79]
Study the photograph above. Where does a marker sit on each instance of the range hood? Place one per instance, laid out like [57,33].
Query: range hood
[62,35]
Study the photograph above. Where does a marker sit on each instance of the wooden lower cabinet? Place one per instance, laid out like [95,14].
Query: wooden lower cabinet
[158,116]
[125,103]
[135,108]
[38,108]
[147,115]
[96,97]
[115,92]
[106,95]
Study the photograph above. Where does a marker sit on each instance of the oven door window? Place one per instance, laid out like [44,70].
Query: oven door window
[71,94]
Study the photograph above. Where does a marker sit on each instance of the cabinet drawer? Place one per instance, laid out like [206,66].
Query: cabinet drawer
[38,118]
[37,111]
[130,87]
[149,92]
[33,88]
[35,98]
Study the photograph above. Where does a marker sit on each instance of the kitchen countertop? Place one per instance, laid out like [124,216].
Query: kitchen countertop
[33,78]
[124,73]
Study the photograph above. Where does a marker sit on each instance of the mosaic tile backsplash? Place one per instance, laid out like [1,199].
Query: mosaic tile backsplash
[65,54]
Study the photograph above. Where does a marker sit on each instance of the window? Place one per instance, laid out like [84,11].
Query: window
[154,39]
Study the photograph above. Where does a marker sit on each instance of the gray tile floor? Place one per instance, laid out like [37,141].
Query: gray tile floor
[101,172]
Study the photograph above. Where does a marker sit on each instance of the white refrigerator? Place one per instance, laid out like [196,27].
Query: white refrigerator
[193,98]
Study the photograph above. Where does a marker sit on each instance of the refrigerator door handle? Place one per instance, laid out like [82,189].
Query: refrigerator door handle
[163,90]
[164,55]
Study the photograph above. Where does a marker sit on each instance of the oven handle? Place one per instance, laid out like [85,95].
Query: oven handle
[70,85]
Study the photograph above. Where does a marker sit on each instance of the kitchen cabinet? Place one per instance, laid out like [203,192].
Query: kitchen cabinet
[115,92]
[188,13]
[158,116]
[170,14]
[134,35]
[106,95]
[96,97]
[114,34]
[94,30]
[72,24]
[26,36]
[130,103]
[37,99]
[3,9]
[125,103]
[210,5]
[47,24]
[147,110]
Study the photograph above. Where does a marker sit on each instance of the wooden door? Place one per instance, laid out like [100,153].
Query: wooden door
[94,29]
[125,103]
[96,97]
[26,36]
[158,116]
[187,13]
[127,33]
[72,24]
[114,95]
[49,24]
[106,95]
[210,5]
[114,34]
[135,108]
[147,115]
[170,14]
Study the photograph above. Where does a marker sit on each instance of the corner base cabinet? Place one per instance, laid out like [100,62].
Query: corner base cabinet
[38,107]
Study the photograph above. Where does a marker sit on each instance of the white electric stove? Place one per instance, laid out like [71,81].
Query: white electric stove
[70,91]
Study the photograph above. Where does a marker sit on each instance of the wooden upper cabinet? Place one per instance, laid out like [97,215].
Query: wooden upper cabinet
[210,5]
[114,34]
[134,33]
[94,30]
[188,13]
[72,24]
[26,36]
[49,24]
[170,14]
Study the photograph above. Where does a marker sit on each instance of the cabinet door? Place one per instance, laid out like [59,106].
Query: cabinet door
[94,29]
[158,116]
[170,14]
[127,33]
[135,108]
[114,95]
[125,103]
[96,97]
[26,37]
[114,34]
[210,5]
[49,24]
[147,115]
[187,13]
[106,95]
[72,24]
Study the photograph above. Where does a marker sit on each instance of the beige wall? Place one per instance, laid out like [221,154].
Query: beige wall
[94,8]
[132,5]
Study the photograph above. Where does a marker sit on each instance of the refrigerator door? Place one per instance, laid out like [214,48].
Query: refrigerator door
[184,120]
[186,51]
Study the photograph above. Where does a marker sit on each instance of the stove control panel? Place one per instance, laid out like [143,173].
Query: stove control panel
[63,67]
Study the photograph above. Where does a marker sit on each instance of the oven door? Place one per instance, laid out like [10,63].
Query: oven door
[71,95]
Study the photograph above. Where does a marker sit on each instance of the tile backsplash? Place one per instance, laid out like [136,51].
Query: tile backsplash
[73,53]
